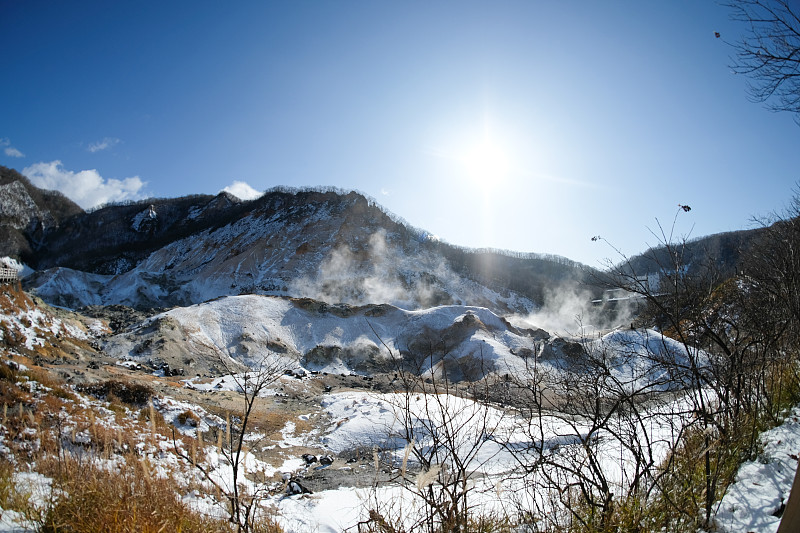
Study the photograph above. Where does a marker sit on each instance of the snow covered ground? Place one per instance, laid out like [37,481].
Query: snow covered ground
[369,419]
[762,486]
[749,505]
[29,325]
[343,339]
[251,327]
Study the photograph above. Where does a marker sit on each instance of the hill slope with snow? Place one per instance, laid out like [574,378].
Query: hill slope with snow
[463,342]
[330,338]
[328,245]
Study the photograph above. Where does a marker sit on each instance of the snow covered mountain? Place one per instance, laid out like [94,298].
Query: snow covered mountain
[330,245]
[461,342]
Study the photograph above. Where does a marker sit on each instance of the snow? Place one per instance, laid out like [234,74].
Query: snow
[38,489]
[645,358]
[71,288]
[35,326]
[761,486]
[142,217]
[301,251]
[171,409]
[230,382]
[257,322]
[368,419]
[377,420]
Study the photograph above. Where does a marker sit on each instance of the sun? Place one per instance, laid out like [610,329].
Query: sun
[486,162]
[480,156]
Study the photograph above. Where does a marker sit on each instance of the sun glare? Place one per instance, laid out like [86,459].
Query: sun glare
[486,162]
[480,156]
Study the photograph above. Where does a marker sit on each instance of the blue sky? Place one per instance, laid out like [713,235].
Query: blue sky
[530,126]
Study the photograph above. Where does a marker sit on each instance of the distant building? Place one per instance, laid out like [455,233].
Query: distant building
[8,274]
[642,284]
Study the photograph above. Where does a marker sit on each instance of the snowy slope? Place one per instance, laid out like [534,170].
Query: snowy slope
[336,339]
[330,247]
[645,358]
[753,502]
[367,420]
[466,342]
[26,327]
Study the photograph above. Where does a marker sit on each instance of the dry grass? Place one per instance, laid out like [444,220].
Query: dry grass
[129,499]
[101,478]
[270,423]
[189,417]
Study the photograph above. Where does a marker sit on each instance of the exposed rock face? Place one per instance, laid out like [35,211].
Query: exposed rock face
[462,342]
[19,211]
[114,239]
[28,214]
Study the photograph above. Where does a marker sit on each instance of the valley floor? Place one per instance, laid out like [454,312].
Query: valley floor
[344,418]
[322,451]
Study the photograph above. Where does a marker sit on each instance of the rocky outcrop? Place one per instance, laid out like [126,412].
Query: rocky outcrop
[28,214]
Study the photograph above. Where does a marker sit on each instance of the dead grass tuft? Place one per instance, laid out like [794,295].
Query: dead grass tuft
[270,423]
[188,418]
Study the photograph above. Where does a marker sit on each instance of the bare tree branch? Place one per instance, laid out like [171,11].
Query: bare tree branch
[769,52]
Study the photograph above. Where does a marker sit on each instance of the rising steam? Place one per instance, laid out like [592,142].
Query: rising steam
[381,273]
[570,310]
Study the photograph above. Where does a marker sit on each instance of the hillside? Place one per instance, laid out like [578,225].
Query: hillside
[326,244]
[112,239]
[723,253]
[28,214]
[289,354]
[338,339]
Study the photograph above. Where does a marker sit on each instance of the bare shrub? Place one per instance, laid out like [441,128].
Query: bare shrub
[135,394]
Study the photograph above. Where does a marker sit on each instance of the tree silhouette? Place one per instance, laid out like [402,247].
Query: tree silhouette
[769,52]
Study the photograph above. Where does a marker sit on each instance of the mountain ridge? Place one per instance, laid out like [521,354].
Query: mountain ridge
[324,243]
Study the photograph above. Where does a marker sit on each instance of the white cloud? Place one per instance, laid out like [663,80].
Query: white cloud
[242,190]
[87,188]
[9,150]
[108,142]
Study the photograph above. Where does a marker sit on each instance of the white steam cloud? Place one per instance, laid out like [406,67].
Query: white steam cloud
[242,190]
[87,188]
[377,273]
[568,311]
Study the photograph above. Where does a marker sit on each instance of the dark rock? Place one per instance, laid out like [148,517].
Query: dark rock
[309,458]
[293,487]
